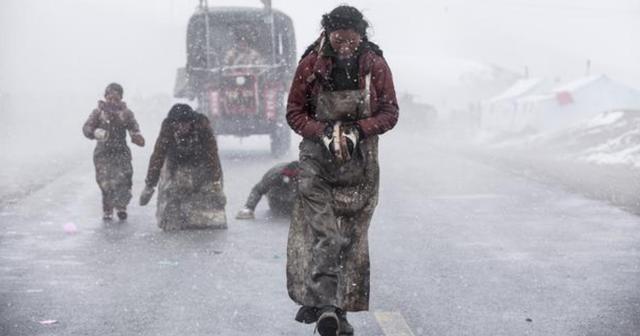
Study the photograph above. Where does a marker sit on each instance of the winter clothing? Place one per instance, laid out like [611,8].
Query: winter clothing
[345,17]
[327,252]
[328,323]
[147,193]
[345,327]
[108,124]
[344,74]
[185,162]
[245,214]
[280,185]
[314,74]
[115,87]
[341,140]
[310,315]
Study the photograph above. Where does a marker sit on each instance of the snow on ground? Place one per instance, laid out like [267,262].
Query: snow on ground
[624,149]
[604,119]
[610,138]
[598,157]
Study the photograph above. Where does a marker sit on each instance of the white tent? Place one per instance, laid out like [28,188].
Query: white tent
[567,104]
[577,101]
[499,112]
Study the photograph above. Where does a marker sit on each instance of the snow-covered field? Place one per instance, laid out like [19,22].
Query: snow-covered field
[599,157]
[611,138]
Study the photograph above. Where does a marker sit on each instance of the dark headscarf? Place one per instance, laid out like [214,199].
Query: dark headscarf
[114,87]
[181,112]
[345,17]
[292,169]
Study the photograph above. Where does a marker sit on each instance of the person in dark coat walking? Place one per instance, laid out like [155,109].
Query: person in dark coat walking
[108,125]
[281,187]
[341,99]
[186,165]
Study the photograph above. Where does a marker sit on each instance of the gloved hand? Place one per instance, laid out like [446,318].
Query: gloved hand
[137,139]
[100,134]
[146,195]
[245,214]
[327,136]
[341,140]
[349,141]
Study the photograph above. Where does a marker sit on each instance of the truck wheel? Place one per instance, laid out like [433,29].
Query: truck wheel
[280,141]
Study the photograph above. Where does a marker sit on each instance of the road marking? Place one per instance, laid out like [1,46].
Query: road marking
[393,324]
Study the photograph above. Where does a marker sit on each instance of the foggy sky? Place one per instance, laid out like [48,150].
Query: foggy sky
[78,46]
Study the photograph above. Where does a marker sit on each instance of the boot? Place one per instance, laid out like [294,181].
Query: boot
[122,213]
[307,315]
[107,209]
[346,329]
[328,322]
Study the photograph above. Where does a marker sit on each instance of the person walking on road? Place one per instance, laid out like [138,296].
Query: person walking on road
[341,99]
[108,125]
[186,166]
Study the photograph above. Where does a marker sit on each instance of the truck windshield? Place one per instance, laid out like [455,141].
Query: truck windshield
[231,43]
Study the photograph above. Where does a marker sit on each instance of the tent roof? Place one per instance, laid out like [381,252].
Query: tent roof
[536,98]
[520,88]
[580,83]
[601,81]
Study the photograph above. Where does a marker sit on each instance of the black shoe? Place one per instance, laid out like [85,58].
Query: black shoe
[307,315]
[122,214]
[328,323]
[346,329]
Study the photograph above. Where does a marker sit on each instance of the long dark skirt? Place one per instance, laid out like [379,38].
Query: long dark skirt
[113,174]
[328,249]
[186,201]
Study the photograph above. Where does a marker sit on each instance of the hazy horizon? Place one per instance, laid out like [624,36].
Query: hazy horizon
[79,46]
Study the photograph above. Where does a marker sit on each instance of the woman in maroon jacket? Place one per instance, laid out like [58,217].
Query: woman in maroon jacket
[108,125]
[185,166]
[341,99]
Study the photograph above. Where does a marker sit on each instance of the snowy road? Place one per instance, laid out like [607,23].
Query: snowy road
[458,248]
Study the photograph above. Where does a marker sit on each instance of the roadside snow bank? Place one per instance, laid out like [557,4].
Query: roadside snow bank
[610,138]
[599,157]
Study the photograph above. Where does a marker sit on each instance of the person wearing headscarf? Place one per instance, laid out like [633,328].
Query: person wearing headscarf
[186,168]
[108,125]
[280,185]
[341,99]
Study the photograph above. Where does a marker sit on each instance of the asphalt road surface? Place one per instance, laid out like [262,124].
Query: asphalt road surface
[458,248]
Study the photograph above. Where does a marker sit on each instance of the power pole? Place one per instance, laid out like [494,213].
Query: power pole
[268,8]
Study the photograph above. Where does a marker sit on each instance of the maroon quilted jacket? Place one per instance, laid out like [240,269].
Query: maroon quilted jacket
[315,67]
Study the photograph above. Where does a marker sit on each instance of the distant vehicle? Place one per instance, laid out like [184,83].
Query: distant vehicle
[240,62]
